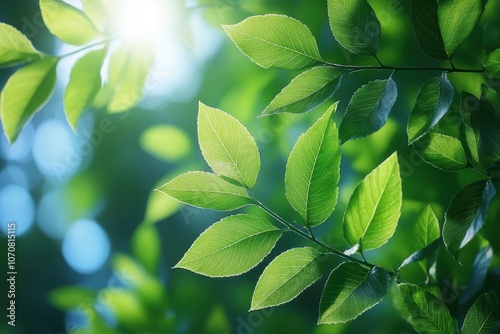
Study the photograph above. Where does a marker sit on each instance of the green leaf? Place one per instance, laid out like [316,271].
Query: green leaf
[355,26]
[129,67]
[275,41]
[483,315]
[368,110]
[155,140]
[227,146]
[313,171]
[350,291]
[441,151]
[15,48]
[146,246]
[68,23]
[491,64]
[231,246]
[205,190]
[424,18]
[286,277]
[468,135]
[422,254]
[486,124]
[433,101]
[457,18]
[466,214]
[72,297]
[306,91]
[478,273]
[428,315]
[96,11]
[373,211]
[25,93]
[83,86]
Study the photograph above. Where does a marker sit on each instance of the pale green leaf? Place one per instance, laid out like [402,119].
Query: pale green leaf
[166,142]
[424,19]
[205,190]
[457,18]
[368,110]
[275,41]
[84,83]
[312,171]
[441,151]
[26,92]
[231,246]
[433,101]
[286,277]
[466,214]
[306,91]
[68,23]
[69,298]
[146,246]
[428,315]
[350,291]
[373,211]
[355,26]
[15,48]
[491,64]
[483,315]
[96,11]
[227,146]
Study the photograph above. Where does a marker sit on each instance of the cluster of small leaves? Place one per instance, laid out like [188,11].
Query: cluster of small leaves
[238,243]
[32,85]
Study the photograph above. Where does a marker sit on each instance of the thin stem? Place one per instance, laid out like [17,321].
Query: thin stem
[404,68]
[103,42]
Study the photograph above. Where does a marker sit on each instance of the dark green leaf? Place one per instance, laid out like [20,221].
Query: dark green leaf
[478,273]
[307,91]
[15,48]
[422,254]
[355,26]
[368,110]
[441,151]
[433,101]
[466,214]
[424,18]
[486,124]
[231,246]
[483,315]
[350,291]
[491,64]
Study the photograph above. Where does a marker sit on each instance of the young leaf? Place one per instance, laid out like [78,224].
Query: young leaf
[373,211]
[466,214]
[25,93]
[227,146]
[306,91]
[231,246]
[491,64]
[424,18]
[15,48]
[355,26]
[350,291]
[368,110]
[67,22]
[441,151]
[433,101]
[483,315]
[146,245]
[478,273]
[427,313]
[275,41]
[313,171]
[84,83]
[457,18]
[205,190]
[286,277]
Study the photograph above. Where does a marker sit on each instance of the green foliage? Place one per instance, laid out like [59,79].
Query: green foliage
[15,48]
[492,64]
[441,151]
[483,315]
[424,18]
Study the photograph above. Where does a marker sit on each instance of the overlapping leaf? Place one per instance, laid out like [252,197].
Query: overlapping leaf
[424,18]
[441,151]
[486,127]
[483,315]
[15,48]
[491,64]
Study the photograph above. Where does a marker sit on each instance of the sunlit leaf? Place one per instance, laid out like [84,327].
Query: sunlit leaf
[166,142]
[373,211]
[231,246]
[286,277]
[227,146]
[275,41]
[441,151]
[424,18]
[350,291]
[306,91]
[126,308]
[25,93]
[84,83]
[205,190]
[355,26]
[96,11]
[433,101]
[72,297]
[483,315]
[428,315]
[491,64]
[68,23]
[15,48]
[146,246]
[313,171]
[466,214]
[478,273]
[368,110]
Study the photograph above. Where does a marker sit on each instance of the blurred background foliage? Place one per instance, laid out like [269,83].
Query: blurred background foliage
[84,259]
